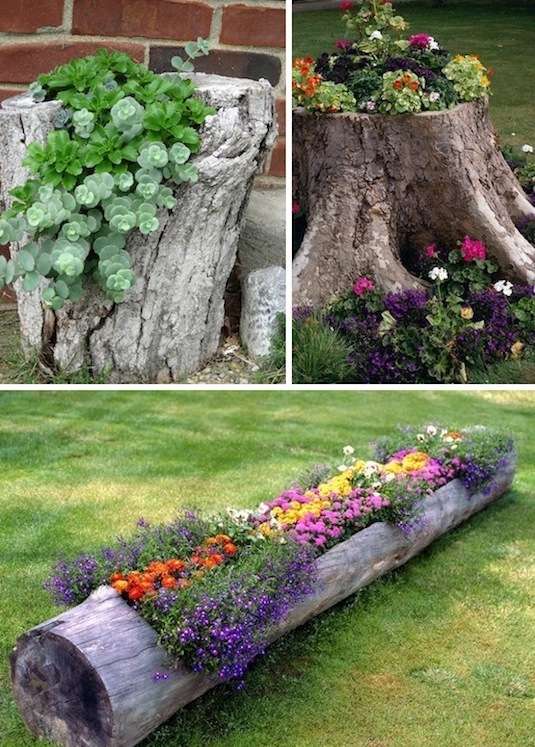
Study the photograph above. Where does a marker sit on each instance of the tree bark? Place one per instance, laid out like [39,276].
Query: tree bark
[374,187]
[170,323]
[86,677]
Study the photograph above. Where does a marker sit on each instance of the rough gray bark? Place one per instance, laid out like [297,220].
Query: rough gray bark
[170,323]
[85,678]
[374,185]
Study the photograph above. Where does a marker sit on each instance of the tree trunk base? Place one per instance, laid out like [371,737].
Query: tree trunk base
[376,186]
[170,323]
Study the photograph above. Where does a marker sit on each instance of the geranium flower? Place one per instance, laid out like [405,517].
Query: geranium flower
[472,249]
[431,250]
[438,273]
[345,5]
[503,286]
[527,148]
[362,285]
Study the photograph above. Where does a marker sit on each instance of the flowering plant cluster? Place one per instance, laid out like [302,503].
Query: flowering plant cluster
[466,320]
[384,73]
[314,93]
[215,589]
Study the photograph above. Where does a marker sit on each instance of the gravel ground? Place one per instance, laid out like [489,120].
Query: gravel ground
[229,366]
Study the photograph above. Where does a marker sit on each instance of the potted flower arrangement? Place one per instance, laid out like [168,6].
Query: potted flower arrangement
[202,597]
[376,70]
[106,170]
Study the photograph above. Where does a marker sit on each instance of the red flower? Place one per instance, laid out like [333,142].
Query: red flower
[472,249]
[345,5]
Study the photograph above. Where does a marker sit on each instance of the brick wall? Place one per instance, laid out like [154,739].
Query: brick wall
[247,39]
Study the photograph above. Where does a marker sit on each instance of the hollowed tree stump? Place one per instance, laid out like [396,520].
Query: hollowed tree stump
[375,186]
[170,323]
[86,677]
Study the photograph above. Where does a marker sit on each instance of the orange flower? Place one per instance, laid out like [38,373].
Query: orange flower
[176,566]
[230,548]
[120,586]
[398,84]
[168,582]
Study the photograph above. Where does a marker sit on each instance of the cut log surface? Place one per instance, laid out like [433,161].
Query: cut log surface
[86,677]
[374,187]
[170,323]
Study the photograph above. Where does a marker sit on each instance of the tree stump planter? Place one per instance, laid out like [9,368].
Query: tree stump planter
[86,678]
[170,323]
[375,186]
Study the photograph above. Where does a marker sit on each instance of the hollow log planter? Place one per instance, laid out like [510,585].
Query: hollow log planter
[86,677]
[170,322]
[374,187]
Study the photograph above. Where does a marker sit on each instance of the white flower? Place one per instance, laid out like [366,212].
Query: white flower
[420,437]
[503,286]
[348,450]
[431,430]
[527,148]
[389,477]
[438,273]
[376,35]
[370,468]
[370,106]
[432,43]
[342,467]
[434,96]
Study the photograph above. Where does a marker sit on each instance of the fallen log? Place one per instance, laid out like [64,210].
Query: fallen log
[95,676]
[170,323]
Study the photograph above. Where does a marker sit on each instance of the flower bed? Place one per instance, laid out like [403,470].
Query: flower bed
[376,70]
[215,592]
[467,320]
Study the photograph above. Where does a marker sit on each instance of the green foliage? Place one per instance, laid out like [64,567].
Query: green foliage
[122,135]
[319,355]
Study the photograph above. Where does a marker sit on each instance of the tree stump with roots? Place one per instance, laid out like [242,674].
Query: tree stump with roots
[375,188]
[170,322]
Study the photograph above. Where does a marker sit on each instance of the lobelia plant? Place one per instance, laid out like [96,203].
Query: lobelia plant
[122,142]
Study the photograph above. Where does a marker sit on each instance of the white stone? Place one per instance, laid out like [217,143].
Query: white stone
[263,297]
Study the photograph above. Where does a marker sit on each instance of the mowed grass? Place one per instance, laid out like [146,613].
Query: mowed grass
[441,652]
[500,32]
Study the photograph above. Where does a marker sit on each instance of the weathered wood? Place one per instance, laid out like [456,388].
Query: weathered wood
[170,323]
[374,187]
[86,677]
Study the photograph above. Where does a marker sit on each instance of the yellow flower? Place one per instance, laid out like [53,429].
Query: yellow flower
[415,461]
[467,312]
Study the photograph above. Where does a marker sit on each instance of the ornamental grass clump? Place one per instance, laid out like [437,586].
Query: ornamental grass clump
[122,143]
[376,69]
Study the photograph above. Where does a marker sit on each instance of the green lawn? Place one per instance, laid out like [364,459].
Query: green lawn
[438,653]
[500,32]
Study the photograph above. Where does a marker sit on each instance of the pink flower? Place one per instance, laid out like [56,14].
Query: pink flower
[431,250]
[295,207]
[343,44]
[345,5]
[472,249]
[362,285]
[419,40]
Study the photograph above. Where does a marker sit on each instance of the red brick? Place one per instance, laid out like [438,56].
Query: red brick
[223,62]
[154,19]
[7,93]
[22,63]
[253,27]
[7,295]
[277,166]
[27,15]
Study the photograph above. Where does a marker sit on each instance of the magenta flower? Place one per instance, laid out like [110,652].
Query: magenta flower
[343,44]
[362,285]
[472,249]
[431,250]
[345,5]
[419,40]
[295,207]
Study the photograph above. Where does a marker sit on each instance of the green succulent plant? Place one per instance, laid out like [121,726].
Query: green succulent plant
[122,140]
